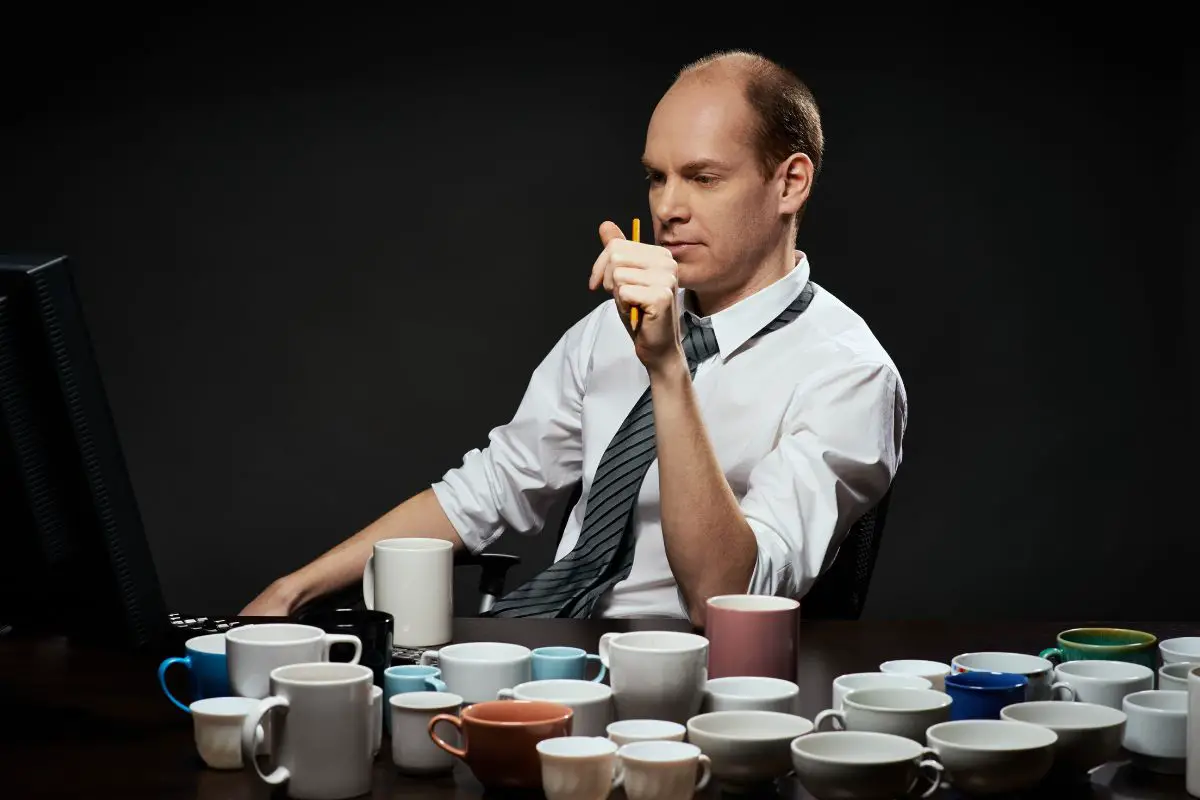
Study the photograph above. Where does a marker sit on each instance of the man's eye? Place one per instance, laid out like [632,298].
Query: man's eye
[654,177]
[705,180]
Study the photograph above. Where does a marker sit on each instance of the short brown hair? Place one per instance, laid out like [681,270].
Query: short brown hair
[788,118]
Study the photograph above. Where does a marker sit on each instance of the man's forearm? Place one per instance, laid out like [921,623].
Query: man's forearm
[420,515]
[709,544]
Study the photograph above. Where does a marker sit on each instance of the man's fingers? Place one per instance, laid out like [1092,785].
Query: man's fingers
[610,230]
[653,299]
[643,277]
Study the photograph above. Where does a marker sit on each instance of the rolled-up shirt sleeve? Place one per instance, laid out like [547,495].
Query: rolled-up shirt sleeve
[512,483]
[838,451]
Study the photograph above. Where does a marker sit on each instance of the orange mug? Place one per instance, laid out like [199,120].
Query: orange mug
[500,738]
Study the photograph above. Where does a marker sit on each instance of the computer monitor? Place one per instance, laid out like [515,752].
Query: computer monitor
[74,557]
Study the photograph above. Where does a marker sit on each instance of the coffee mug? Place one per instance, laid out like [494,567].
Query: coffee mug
[578,767]
[208,672]
[322,742]
[981,695]
[1104,682]
[1156,730]
[413,580]
[478,670]
[413,752]
[254,650]
[1106,644]
[500,737]
[901,712]
[662,770]
[565,662]
[656,674]
[217,728]
[591,702]
[410,678]
[1038,671]
[752,635]
[373,629]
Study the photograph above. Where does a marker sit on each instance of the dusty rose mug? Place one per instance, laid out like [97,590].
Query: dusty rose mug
[752,635]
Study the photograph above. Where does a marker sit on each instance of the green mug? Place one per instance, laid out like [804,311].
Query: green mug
[1104,644]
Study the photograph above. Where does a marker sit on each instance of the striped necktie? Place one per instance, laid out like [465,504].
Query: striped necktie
[603,555]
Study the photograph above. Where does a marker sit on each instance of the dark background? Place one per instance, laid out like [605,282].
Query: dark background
[321,254]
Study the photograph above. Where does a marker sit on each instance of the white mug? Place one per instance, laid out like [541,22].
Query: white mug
[578,767]
[1174,676]
[413,580]
[1193,733]
[751,693]
[662,770]
[479,670]
[591,702]
[901,712]
[656,674]
[844,684]
[933,671]
[413,752]
[1156,729]
[1037,670]
[217,728]
[1104,683]
[322,741]
[252,651]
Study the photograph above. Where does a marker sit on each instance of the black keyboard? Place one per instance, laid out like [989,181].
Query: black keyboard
[198,626]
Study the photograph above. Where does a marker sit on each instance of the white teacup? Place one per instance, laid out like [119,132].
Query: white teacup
[1181,648]
[863,765]
[902,712]
[1174,676]
[747,747]
[413,752]
[628,731]
[477,671]
[252,651]
[217,727]
[591,702]
[1037,670]
[849,682]
[751,694]
[662,770]
[578,767]
[1089,734]
[1156,730]
[413,580]
[656,674]
[992,756]
[1104,682]
[933,671]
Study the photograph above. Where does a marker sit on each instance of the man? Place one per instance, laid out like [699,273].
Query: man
[727,441]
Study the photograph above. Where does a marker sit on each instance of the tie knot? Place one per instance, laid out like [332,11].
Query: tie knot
[699,342]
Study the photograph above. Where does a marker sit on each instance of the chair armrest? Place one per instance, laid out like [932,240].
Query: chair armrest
[493,569]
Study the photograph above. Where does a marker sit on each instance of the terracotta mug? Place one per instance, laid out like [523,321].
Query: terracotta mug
[500,738]
[752,635]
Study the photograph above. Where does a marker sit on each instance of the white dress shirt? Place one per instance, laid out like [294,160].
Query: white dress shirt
[806,422]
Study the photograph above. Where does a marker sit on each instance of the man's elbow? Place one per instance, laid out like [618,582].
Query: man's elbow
[729,576]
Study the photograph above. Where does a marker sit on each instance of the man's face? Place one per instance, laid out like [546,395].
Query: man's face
[710,203]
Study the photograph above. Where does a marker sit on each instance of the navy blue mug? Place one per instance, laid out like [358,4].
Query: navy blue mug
[981,695]
[208,670]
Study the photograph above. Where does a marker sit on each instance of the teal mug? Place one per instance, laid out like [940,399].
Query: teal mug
[556,663]
[1104,644]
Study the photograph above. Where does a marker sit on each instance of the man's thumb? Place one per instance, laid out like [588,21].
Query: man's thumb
[608,231]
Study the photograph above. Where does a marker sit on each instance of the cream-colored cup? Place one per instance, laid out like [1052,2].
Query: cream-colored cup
[933,671]
[844,684]
[217,727]
[662,770]
[628,731]
[903,712]
[413,752]
[578,767]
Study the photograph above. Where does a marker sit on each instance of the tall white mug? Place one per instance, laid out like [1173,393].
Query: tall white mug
[252,651]
[413,580]
[656,674]
[1193,733]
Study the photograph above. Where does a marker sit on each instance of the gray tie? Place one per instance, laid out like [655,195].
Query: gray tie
[603,556]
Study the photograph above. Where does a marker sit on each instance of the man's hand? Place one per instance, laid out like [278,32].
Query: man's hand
[644,275]
[277,600]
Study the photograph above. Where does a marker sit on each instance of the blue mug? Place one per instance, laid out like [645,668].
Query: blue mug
[981,695]
[207,668]
[550,663]
[408,678]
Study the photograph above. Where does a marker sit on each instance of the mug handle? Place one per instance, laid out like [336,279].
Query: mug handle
[440,742]
[705,771]
[1067,691]
[343,638]
[251,738]
[605,645]
[505,694]
[1053,654]
[618,775]
[428,658]
[438,685]
[369,582]
[933,770]
[838,718]
[603,669]
[162,677]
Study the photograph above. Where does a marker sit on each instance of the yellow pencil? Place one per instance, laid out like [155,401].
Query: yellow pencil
[633,312]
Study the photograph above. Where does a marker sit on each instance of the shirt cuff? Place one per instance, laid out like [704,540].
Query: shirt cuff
[473,536]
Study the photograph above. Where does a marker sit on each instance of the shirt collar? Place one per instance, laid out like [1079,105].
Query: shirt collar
[735,325]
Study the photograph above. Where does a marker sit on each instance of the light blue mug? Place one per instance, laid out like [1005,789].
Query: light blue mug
[408,678]
[551,663]
[207,667]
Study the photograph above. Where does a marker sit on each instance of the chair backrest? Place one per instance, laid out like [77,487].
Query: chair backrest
[841,591]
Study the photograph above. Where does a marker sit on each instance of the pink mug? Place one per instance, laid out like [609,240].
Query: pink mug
[752,635]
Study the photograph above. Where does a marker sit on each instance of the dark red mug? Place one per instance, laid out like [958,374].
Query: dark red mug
[752,635]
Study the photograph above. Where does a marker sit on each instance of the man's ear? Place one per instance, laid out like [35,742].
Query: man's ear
[795,174]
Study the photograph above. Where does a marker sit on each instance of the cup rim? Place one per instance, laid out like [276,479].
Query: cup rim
[1134,699]
[799,743]
[934,733]
[590,691]
[216,639]
[953,679]
[785,688]
[942,699]
[686,751]
[1045,665]
[698,723]
[1115,721]
[554,712]
[606,746]
[1187,666]
[888,675]
[388,673]
[453,651]
[1067,668]
[351,673]
[938,668]
[1166,646]
[437,701]
[568,652]
[668,727]
[203,707]
[773,604]
[695,642]
[1149,639]
[236,634]
[401,544]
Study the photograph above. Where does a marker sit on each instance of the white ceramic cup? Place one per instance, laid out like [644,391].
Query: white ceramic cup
[591,702]
[413,580]
[1104,683]
[628,731]
[322,740]
[1174,676]
[1193,733]
[578,767]
[851,681]
[217,727]
[656,674]
[751,694]
[662,770]
[413,752]
[863,764]
[477,671]
[902,712]
[1037,670]
[933,671]
[992,756]
[376,720]
[1181,648]
[1156,729]
[1089,734]
[252,651]
[747,749]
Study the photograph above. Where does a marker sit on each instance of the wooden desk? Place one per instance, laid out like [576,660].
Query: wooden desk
[80,723]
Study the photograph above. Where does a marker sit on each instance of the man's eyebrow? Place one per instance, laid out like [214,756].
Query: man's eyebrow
[695,165]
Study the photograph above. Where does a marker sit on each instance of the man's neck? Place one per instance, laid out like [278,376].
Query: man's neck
[705,304]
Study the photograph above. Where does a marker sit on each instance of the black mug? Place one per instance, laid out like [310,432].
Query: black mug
[374,628]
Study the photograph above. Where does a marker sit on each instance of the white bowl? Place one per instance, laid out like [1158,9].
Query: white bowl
[751,693]
[1089,734]
[992,756]
[1181,648]
[863,765]
[1156,730]
[747,747]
